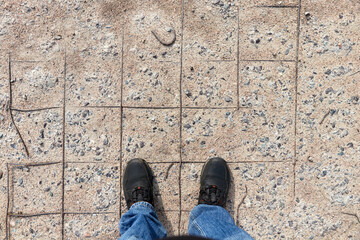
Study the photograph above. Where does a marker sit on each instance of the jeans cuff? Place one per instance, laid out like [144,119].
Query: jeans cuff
[142,204]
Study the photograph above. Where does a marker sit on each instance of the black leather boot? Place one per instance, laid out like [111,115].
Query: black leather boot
[138,182]
[214,182]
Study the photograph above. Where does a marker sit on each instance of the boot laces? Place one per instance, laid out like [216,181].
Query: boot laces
[211,195]
[140,194]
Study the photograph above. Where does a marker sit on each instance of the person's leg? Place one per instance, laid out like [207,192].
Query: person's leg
[141,221]
[210,219]
[214,222]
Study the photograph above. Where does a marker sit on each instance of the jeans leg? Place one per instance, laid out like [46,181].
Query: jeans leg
[141,222]
[214,222]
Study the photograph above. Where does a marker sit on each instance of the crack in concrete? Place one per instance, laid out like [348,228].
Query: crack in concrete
[10,111]
[238,207]
[354,215]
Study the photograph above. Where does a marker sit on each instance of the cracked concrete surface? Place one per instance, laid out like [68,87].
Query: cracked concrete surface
[271,86]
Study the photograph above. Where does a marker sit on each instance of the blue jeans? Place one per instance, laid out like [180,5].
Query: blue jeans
[141,223]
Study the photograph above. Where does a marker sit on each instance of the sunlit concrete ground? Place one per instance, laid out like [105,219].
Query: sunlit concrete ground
[271,86]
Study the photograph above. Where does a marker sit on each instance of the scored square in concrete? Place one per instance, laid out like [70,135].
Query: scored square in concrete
[36,189]
[210,30]
[325,222]
[267,186]
[328,182]
[209,84]
[266,224]
[161,17]
[328,31]
[37,84]
[33,29]
[166,187]
[42,134]
[328,99]
[244,135]
[96,226]
[328,112]
[151,134]
[327,133]
[267,84]
[93,58]
[147,84]
[268,33]
[36,227]
[91,187]
[93,34]
[92,135]
[332,83]
[326,196]
[209,133]
[93,82]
